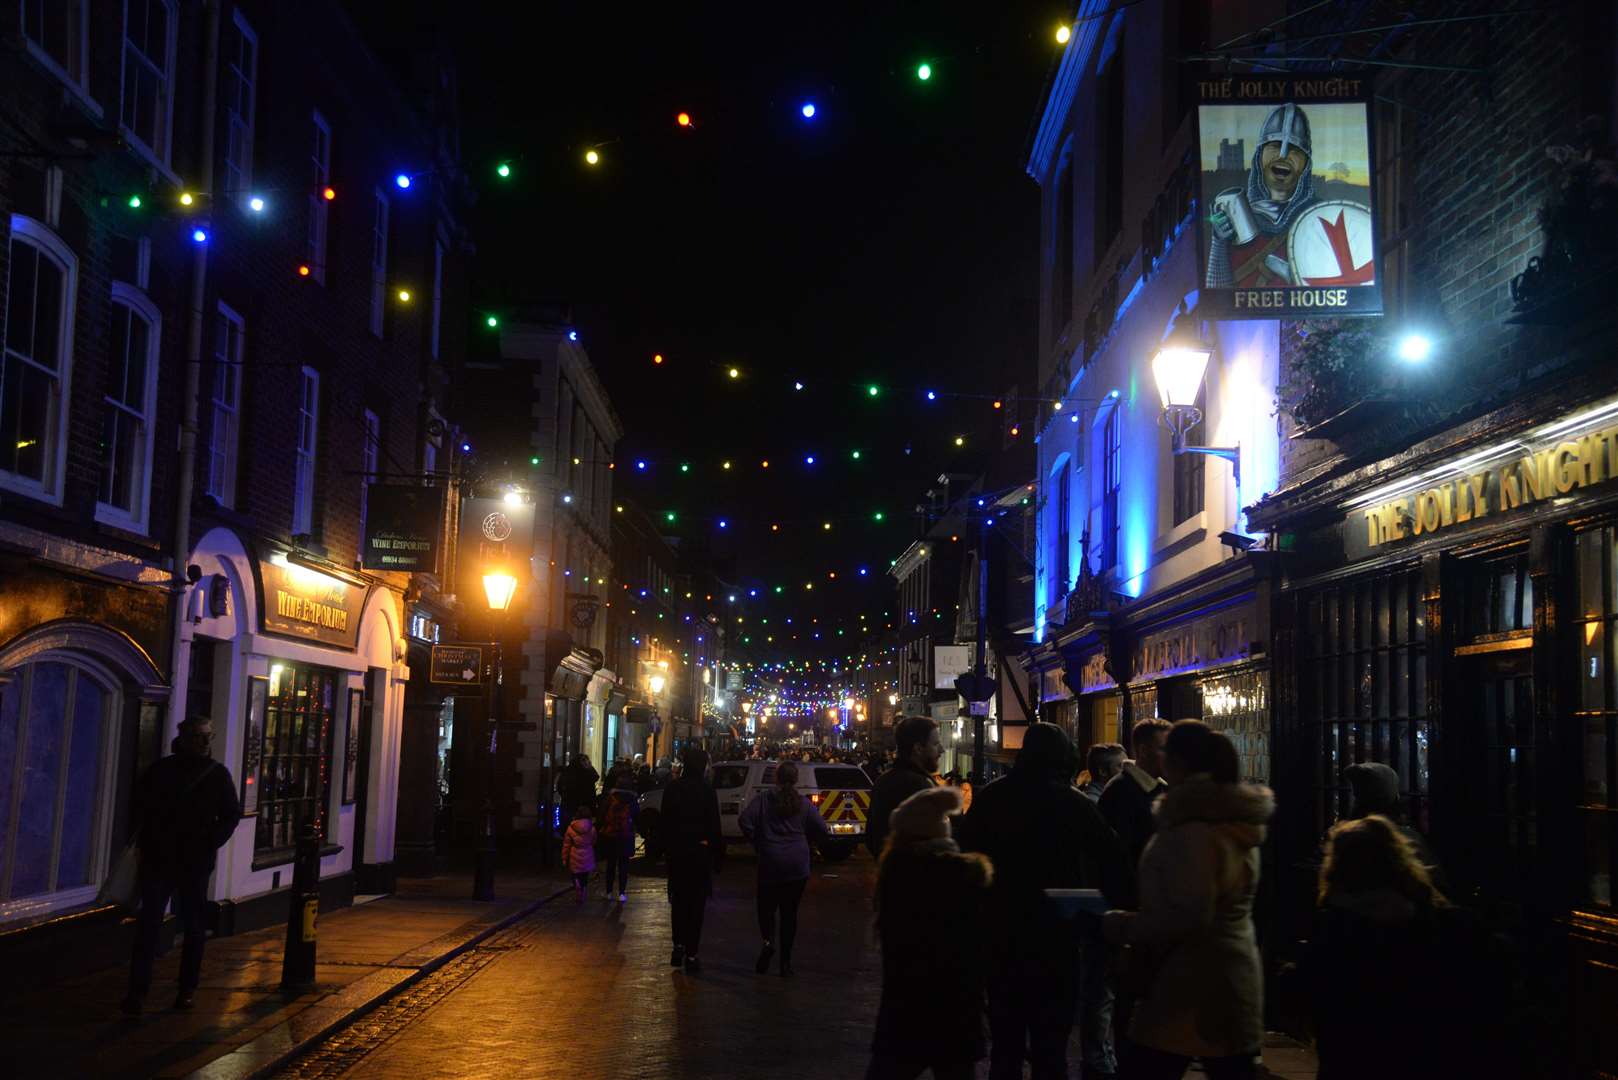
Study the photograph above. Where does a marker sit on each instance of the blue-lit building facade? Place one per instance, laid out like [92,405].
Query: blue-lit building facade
[1150,591]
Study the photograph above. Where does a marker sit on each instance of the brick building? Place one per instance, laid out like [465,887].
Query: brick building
[224,315]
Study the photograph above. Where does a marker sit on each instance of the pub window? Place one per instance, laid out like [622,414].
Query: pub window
[1596,709]
[1362,689]
[293,773]
[1499,597]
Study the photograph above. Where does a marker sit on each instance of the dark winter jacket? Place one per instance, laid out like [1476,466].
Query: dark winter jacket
[782,840]
[932,903]
[689,824]
[1376,791]
[617,815]
[1371,1021]
[186,806]
[576,786]
[1127,804]
[1040,833]
[891,788]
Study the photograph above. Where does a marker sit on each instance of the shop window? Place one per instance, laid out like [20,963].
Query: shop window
[1596,709]
[1238,705]
[1362,687]
[295,768]
[53,762]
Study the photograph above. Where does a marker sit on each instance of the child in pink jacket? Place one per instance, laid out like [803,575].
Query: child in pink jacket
[579,850]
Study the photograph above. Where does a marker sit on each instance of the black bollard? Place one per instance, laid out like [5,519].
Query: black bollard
[483,874]
[298,962]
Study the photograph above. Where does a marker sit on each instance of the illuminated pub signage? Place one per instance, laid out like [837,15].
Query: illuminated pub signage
[302,602]
[1286,171]
[1551,462]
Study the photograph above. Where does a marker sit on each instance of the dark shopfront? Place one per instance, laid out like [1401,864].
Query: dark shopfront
[1457,623]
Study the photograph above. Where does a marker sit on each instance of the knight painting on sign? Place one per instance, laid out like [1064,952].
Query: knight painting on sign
[1286,212]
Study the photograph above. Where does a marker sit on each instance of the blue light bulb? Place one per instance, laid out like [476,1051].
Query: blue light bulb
[931,396]
[403,180]
[808,110]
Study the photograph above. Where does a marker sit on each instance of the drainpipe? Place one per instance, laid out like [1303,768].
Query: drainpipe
[187,466]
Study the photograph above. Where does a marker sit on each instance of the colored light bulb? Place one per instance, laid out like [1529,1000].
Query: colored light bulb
[808,110]
[186,198]
[684,119]
[328,193]
[960,440]
[669,516]
[199,235]
[878,516]
[134,202]
[592,158]
[503,170]
[855,454]
[256,204]
[734,373]
[657,358]
[684,467]
[402,180]
[931,396]
[872,391]
[641,465]
[535,461]
[924,72]
[809,459]
[303,269]
[1063,33]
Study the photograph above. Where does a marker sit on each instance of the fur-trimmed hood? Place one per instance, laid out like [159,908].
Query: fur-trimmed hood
[1240,810]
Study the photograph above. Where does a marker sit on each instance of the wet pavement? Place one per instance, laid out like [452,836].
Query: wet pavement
[586,991]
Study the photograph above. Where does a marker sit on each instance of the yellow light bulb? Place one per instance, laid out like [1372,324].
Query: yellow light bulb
[1063,34]
[592,158]
[404,296]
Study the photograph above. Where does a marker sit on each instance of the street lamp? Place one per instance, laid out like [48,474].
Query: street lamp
[498,587]
[1178,366]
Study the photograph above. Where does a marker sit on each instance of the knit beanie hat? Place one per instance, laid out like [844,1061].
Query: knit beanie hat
[925,815]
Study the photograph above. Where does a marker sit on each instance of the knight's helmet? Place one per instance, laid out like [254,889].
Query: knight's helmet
[1288,125]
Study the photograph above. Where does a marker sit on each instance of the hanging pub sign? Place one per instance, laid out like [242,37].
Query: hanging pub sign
[582,609]
[1287,223]
[494,533]
[302,602]
[401,527]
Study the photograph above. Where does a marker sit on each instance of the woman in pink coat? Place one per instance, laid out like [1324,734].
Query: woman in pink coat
[579,851]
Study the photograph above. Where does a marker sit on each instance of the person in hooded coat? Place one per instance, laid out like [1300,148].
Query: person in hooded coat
[690,826]
[931,903]
[1193,942]
[1040,833]
[1376,791]
[1380,913]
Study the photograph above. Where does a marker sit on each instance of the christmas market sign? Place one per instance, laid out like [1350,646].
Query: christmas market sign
[456,665]
[401,527]
[1287,223]
[1554,461]
[302,602]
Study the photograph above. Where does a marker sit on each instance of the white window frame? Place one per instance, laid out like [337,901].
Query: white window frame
[319,209]
[48,243]
[225,407]
[240,130]
[136,518]
[307,448]
[438,289]
[379,260]
[157,155]
[370,461]
[25,907]
[77,72]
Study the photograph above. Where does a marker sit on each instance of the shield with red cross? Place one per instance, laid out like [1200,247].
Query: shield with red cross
[1331,244]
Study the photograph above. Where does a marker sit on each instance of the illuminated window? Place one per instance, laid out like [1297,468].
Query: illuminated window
[294,769]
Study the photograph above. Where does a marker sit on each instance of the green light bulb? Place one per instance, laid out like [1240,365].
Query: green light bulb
[503,170]
[873,390]
[492,321]
[877,516]
[924,72]
[669,516]
[534,460]
[134,202]
[855,455]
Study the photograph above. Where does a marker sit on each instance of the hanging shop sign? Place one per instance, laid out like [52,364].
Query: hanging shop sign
[950,661]
[1551,462]
[302,602]
[1286,220]
[493,533]
[582,609]
[401,527]
[1221,637]
[456,665]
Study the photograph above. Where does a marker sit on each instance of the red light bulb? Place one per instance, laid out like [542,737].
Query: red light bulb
[328,193]
[684,119]
[303,269]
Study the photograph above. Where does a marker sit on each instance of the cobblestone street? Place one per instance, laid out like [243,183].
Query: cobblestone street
[587,991]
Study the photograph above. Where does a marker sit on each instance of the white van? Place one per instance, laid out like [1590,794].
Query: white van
[841,792]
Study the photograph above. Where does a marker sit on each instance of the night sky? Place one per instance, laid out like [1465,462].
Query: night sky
[892,240]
